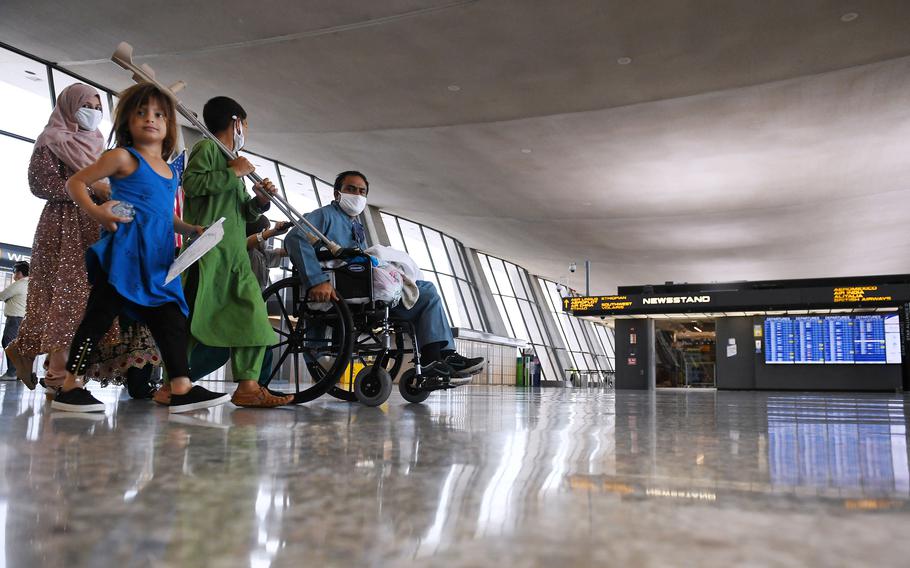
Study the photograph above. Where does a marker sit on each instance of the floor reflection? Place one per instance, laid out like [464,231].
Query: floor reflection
[476,467]
[839,442]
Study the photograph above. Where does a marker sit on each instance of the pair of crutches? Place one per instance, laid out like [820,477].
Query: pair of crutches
[123,56]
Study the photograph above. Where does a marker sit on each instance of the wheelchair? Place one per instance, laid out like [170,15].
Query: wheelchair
[320,343]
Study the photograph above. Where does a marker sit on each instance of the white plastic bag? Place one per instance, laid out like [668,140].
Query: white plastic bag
[401,260]
[387,284]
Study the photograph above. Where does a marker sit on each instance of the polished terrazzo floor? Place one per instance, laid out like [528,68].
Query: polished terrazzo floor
[481,476]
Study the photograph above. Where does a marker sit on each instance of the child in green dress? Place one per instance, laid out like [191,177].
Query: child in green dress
[226,305]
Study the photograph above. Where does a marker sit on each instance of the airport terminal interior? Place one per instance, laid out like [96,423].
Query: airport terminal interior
[628,283]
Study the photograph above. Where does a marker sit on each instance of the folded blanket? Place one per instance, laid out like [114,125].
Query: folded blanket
[407,265]
[410,293]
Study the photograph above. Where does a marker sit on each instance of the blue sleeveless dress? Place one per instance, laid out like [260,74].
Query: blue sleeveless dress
[136,257]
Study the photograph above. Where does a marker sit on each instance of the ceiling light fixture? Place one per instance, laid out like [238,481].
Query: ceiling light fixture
[624,60]
[849,17]
[27,72]
[454,88]
[525,150]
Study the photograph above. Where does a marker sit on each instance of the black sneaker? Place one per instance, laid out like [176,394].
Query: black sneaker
[143,391]
[437,370]
[76,400]
[464,366]
[138,383]
[439,374]
[436,375]
[195,399]
[457,381]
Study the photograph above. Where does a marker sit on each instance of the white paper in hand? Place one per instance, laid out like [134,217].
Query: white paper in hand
[197,249]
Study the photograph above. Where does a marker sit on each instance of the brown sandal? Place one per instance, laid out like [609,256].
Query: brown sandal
[260,399]
[23,365]
[163,395]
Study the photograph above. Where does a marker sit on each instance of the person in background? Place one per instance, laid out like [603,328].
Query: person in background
[262,256]
[15,297]
[535,371]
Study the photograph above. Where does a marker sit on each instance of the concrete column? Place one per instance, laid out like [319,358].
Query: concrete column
[652,354]
[374,226]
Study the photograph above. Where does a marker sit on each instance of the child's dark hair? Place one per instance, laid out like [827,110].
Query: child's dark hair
[132,100]
[219,113]
[339,179]
[21,267]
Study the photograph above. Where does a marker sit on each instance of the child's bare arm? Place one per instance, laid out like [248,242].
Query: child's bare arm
[185,229]
[113,163]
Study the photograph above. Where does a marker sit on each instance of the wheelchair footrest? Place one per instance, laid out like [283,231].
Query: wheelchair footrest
[430,384]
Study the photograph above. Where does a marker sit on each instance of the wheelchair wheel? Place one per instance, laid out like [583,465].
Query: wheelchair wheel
[372,386]
[409,390]
[320,335]
[367,349]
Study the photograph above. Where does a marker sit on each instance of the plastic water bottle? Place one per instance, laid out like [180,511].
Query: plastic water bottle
[124,209]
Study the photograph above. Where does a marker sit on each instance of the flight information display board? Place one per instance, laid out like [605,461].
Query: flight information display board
[873,339]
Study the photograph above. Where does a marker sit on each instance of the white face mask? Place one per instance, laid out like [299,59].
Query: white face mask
[351,204]
[238,136]
[88,118]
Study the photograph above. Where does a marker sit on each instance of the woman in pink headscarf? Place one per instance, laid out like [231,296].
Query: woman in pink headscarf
[58,289]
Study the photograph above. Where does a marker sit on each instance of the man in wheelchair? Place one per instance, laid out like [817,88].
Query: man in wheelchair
[338,221]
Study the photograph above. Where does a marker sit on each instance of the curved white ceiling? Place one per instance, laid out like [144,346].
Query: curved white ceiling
[746,140]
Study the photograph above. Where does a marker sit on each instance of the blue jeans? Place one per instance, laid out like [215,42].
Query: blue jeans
[9,334]
[428,316]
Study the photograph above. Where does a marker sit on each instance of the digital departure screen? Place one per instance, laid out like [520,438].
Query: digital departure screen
[873,339]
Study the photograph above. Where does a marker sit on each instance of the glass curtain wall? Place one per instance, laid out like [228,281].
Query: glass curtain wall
[28,90]
[442,260]
[522,315]
[590,344]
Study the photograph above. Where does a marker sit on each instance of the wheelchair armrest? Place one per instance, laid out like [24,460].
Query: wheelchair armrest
[323,254]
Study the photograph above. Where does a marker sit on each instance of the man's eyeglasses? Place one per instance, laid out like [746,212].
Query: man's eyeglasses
[347,188]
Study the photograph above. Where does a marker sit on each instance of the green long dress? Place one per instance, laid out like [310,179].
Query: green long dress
[228,310]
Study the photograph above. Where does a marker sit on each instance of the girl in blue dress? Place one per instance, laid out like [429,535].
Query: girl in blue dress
[128,265]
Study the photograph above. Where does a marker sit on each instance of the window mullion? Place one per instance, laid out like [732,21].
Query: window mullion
[316,192]
[457,285]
